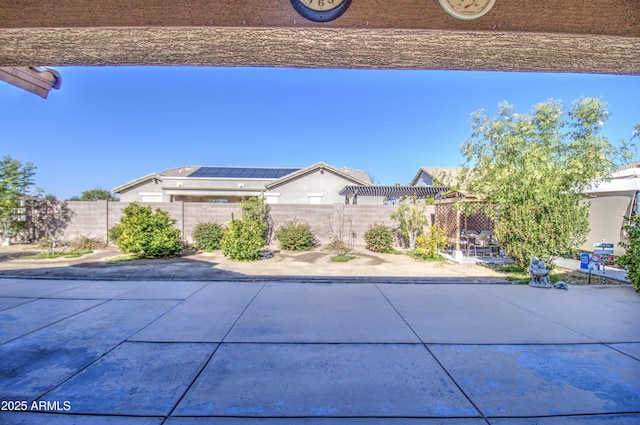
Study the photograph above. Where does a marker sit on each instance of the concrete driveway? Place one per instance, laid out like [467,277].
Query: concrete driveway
[245,353]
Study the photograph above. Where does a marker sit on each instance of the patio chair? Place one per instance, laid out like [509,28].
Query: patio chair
[482,241]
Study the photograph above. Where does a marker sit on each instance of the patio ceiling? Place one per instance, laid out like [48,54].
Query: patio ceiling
[600,36]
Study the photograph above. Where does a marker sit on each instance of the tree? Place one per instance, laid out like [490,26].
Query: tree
[533,170]
[16,180]
[97,194]
[412,218]
[49,219]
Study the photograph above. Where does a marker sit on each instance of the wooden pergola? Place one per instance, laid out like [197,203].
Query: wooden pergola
[591,36]
[351,193]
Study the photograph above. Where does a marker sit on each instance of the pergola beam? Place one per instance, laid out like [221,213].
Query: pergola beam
[321,48]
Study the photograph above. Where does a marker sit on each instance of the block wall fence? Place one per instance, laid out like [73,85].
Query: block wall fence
[95,218]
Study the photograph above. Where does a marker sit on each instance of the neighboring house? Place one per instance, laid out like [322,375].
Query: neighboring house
[437,176]
[317,184]
[429,182]
[610,201]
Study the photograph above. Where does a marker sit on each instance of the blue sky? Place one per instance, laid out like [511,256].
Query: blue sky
[109,125]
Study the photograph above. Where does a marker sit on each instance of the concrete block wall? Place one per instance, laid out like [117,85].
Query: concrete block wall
[89,219]
[196,212]
[95,218]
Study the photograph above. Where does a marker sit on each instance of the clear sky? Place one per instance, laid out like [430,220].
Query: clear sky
[109,125]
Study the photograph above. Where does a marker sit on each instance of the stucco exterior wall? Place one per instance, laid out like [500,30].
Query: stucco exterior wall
[606,218]
[134,194]
[171,183]
[316,187]
[322,186]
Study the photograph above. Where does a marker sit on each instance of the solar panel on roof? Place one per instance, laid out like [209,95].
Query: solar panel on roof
[242,172]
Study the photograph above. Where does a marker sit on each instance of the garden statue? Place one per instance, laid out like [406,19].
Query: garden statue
[539,274]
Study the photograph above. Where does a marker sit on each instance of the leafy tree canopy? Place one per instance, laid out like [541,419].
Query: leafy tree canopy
[16,180]
[533,171]
[97,194]
[412,218]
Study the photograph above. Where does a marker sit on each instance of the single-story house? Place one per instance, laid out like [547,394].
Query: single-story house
[317,184]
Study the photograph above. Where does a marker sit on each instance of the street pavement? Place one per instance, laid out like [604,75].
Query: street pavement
[248,353]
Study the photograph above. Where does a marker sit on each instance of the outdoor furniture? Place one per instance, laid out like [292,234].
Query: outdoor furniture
[467,239]
[482,242]
[494,245]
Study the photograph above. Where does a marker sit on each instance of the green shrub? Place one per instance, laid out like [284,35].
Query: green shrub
[243,239]
[337,246]
[631,259]
[379,238]
[114,234]
[148,233]
[208,235]
[429,244]
[254,209]
[294,236]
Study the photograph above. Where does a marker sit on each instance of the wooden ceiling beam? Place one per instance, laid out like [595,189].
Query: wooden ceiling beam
[594,36]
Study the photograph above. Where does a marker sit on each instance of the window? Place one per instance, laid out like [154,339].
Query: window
[315,198]
[151,197]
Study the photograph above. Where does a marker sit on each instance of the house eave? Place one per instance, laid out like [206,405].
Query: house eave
[143,179]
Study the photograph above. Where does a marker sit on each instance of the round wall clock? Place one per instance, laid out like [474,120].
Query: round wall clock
[321,10]
[467,9]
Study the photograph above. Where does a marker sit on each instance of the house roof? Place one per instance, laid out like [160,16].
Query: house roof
[273,175]
[356,176]
[140,180]
[446,173]
[243,172]
[233,172]
[417,191]
[625,179]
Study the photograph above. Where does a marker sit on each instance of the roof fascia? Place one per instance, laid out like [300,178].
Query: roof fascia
[310,169]
[152,176]
[415,179]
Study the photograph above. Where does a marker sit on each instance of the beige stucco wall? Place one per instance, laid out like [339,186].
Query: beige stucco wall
[319,182]
[196,188]
[606,218]
[134,193]
[319,186]
[172,183]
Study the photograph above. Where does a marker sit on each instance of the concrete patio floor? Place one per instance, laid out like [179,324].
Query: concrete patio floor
[245,353]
